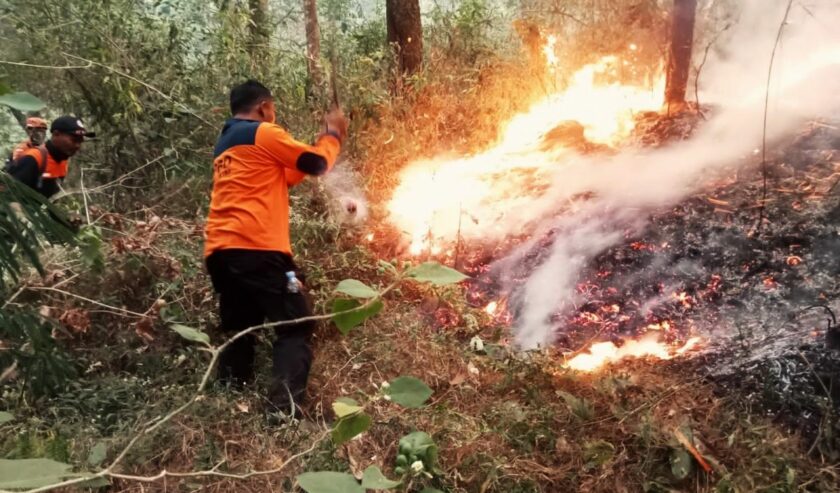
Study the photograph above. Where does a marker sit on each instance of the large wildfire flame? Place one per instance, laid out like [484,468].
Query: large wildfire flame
[440,201]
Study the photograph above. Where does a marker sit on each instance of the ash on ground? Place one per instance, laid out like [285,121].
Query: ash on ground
[763,293]
[759,284]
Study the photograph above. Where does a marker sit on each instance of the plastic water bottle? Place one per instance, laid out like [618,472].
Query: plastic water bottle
[292,283]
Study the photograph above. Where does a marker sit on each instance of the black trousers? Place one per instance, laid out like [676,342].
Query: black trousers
[252,289]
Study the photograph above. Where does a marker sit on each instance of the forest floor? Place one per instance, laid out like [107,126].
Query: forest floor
[755,410]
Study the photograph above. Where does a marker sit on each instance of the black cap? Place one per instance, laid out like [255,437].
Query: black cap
[70,125]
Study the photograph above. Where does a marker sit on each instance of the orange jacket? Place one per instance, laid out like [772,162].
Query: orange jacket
[254,166]
[21,148]
[53,169]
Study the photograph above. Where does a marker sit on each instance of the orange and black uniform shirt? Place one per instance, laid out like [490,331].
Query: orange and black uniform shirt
[30,169]
[254,165]
[21,148]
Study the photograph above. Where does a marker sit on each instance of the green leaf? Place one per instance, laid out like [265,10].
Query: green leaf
[344,406]
[191,334]
[436,274]
[373,479]
[349,427]
[429,489]
[356,289]
[421,445]
[329,482]
[22,101]
[33,473]
[347,321]
[6,417]
[680,463]
[597,453]
[89,241]
[408,392]
[97,454]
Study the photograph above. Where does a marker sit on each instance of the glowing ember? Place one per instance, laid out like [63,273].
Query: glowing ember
[603,353]
[793,260]
[369,237]
[491,307]
[663,326]
[684,298]
[488,195]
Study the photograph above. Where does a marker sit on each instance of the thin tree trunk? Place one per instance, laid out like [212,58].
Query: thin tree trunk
[405,33]
[313,47]
[259,30]
[679,60]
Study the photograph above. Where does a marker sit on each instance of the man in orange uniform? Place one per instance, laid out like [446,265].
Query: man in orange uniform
[36,132]
[42,167]
[247,249]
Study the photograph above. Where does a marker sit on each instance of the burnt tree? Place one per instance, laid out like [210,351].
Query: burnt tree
[405,33]
[679,59]
[313,45]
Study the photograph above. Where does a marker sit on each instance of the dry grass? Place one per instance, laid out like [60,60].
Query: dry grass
[505,422]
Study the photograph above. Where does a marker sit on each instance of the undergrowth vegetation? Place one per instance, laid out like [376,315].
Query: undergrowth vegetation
[89,358]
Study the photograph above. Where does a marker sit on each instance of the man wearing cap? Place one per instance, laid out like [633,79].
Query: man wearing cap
[41,168]
[247,248]
[36,132]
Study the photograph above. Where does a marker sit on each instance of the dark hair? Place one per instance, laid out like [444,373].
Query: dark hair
[246,95]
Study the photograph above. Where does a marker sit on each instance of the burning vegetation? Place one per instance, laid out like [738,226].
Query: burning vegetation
[651,302]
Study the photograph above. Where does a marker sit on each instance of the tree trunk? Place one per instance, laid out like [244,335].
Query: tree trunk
[679,60]
[405,33]
[313,46]
[259,30]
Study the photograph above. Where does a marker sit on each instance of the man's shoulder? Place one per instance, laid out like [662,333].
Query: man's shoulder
[237,133]
[271,130]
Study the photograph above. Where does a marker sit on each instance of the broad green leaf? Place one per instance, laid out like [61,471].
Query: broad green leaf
[6,417]
[421,445]
[329,482]
[22,101]
[356,289]
[344,406]
[416,442]
[373,479]
[408,392]
[597,453]
[680,463]
[436,274]
[97,454]
[191,334]
[33,473]
[348,427]
[347,321]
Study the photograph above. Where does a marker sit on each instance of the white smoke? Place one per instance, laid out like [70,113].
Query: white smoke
[347,200]
[623,190]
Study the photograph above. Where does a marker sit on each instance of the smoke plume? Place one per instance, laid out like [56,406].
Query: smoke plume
[619,192]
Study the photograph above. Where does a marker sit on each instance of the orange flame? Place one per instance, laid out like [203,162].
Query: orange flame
[602,353]
[474,194]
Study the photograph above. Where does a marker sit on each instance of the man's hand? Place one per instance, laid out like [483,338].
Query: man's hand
[336,122]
